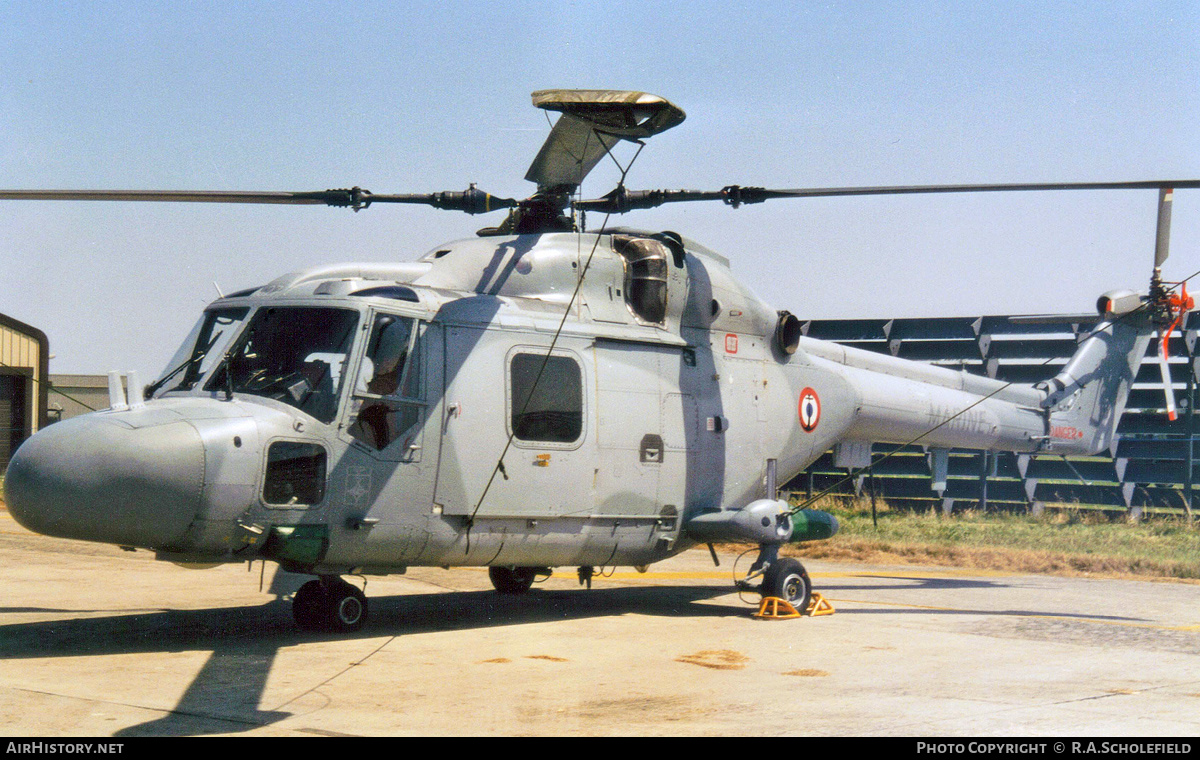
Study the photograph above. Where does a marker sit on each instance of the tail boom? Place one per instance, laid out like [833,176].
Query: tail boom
[1075,412]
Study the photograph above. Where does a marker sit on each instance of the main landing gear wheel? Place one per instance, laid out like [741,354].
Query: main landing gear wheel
[308,604]
[788,580]
[329,604]
[512,580]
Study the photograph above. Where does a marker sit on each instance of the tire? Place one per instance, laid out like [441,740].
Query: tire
[329,605]
[512,580]
[308,606]
[345,608]
[788,580]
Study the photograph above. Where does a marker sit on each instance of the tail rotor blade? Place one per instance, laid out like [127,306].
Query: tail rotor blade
[1162,241]
[1178,304]
[1163,362]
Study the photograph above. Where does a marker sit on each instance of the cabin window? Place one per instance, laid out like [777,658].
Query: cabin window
[295,474]
[546,398]
[388,407]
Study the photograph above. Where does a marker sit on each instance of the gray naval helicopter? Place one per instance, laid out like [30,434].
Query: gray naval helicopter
[536,397]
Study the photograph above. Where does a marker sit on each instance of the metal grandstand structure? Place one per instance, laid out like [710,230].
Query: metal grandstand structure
[1149,470]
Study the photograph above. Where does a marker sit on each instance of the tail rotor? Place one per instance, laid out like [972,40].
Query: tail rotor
[1169,304]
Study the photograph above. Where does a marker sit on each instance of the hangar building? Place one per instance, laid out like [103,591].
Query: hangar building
[24,375]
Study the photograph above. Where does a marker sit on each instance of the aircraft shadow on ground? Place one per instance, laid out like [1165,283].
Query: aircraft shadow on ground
[182,630]
[225,695]
[892,610]
[950,584]
[915,582]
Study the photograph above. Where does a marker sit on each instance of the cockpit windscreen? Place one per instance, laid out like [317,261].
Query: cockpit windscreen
[296,355]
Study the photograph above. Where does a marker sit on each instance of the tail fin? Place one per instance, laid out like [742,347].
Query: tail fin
[1087,398]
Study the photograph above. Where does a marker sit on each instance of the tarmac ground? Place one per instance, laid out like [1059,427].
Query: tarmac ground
[96,641]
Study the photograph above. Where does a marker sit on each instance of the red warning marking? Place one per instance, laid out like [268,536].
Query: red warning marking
[730,343]
[1065,431]
[809,409]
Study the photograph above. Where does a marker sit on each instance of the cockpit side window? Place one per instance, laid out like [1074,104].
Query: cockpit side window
[388,408]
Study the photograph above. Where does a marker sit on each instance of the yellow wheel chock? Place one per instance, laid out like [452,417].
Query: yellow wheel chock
[774,608]
[818,605]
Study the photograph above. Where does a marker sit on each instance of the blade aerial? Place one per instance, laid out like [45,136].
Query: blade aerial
[571,151]
[592,122]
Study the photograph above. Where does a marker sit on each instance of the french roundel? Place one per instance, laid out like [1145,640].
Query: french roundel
[810,409]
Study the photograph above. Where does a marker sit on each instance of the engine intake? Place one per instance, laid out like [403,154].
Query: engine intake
[1116,303]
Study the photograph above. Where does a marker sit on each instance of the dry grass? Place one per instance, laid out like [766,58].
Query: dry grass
[1003,558]
[1062,542]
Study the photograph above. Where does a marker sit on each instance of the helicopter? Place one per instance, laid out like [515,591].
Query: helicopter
[537,397]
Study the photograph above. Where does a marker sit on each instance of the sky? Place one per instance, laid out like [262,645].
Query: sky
[424,97]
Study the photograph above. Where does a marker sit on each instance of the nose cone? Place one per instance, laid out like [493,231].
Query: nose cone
[98,478]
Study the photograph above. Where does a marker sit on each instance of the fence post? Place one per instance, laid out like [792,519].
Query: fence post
[1191,436]
[983,481]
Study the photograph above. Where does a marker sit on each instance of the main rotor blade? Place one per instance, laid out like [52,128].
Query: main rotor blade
[472,200]
[621,200]
[1162,242]
[182,196]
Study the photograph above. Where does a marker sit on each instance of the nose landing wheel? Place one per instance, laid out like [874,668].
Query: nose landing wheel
[788,580]
[329,604]
[781,577]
